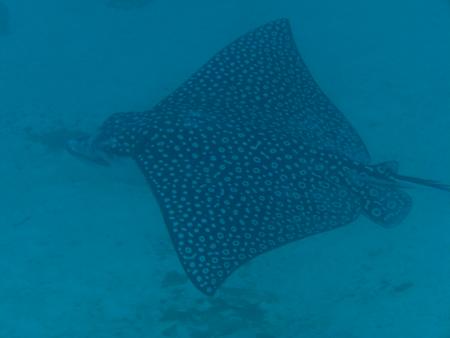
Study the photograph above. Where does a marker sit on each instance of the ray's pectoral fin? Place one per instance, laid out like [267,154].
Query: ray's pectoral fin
[214,225]
[225,201]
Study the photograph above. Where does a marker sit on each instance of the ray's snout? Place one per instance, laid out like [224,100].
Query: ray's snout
[86,148]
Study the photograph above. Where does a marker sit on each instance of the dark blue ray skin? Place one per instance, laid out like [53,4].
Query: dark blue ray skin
[248,155]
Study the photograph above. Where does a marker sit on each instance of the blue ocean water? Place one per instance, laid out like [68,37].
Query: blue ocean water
[84,251]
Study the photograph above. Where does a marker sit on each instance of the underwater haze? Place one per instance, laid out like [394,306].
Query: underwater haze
[85,249]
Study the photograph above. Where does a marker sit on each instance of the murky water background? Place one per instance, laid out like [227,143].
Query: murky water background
[83,249]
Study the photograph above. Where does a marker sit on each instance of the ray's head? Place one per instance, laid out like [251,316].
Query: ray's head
[119,135]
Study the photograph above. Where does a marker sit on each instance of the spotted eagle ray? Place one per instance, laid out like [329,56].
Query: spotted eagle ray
[248,155]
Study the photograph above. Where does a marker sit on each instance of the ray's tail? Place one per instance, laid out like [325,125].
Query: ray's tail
[424,182]
[389,170]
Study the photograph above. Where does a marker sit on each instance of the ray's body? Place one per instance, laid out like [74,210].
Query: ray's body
[248,155]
